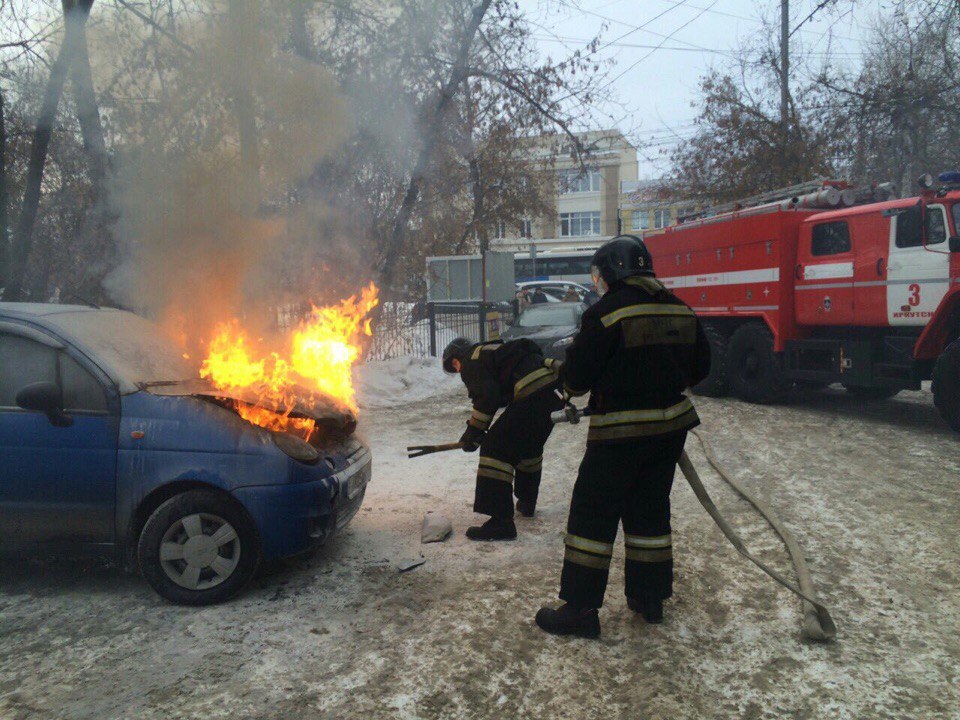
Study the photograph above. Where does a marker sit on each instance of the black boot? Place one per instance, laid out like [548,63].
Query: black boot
[526,508]
[568,620]
[493,529]
[651,610]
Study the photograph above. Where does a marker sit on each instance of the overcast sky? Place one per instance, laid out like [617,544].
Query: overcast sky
[657,85]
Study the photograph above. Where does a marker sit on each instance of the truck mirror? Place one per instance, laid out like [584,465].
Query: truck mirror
[955,243]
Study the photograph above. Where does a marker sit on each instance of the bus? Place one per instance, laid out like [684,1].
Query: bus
[572,265]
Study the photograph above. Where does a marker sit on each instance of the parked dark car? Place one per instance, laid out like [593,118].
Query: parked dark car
[107,438]
[551,325]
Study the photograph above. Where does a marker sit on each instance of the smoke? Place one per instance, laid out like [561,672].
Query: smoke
[211,219]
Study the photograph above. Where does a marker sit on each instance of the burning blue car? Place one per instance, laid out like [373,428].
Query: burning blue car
[108,438]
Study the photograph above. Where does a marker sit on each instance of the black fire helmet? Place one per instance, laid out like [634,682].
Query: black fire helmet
[622,257]
[456,349]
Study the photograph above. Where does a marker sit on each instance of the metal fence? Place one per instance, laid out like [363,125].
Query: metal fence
[475,320]
[419,329]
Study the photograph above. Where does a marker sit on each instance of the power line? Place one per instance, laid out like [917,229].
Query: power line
[562,40]
[669,37]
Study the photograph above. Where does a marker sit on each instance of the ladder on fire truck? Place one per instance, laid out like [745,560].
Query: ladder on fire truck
[847,196]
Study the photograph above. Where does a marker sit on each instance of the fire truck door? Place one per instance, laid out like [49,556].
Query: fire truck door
[918,275]
[825,274]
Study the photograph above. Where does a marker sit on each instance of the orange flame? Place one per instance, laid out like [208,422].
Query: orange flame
[319,358]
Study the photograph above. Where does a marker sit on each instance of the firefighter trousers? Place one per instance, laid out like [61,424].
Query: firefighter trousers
[630,483]
[511,454]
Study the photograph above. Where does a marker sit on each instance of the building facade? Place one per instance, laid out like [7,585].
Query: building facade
[648,205]
[586,203]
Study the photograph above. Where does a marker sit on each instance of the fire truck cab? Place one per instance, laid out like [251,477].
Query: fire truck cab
[823,287]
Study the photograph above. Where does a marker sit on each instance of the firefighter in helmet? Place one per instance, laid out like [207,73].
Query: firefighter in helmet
[638,349]
[514,375]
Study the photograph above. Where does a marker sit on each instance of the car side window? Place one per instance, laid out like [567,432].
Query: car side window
[909,229]
[831,238]
[22,362]
[81,390]
[936,226]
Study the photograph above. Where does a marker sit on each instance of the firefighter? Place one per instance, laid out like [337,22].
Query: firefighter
[638,349]
[514,375]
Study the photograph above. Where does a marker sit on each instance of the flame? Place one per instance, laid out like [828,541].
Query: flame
[318,358]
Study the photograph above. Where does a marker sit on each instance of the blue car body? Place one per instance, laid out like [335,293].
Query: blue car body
[97,479]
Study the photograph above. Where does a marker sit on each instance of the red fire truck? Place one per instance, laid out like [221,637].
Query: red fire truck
[821,286]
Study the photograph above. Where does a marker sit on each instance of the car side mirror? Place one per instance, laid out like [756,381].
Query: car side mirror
[45,397]
[955,243]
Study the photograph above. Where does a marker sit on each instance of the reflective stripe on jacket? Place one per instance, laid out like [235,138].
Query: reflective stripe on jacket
[638,349]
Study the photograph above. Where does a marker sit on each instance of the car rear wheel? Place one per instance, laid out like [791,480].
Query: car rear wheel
[715,383]
[199,548]
[946,384]
[753,369]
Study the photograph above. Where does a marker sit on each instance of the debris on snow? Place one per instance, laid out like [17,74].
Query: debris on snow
[436,528]
[410,563]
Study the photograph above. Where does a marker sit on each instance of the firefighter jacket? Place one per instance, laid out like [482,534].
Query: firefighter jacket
[638,349]
[498,373]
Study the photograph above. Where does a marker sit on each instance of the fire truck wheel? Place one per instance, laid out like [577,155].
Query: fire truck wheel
[714,384]
[753,370]
[946,384]
[871,393]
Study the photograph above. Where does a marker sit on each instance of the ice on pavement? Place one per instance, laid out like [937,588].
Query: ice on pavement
[389,383]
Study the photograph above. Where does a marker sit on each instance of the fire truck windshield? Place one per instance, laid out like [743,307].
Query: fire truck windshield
[956,218]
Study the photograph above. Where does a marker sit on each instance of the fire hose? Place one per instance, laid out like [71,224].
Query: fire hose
[817,623]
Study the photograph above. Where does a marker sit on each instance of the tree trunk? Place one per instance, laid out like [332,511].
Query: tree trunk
[88,113]
[398,233]
[75,13]
[299,35]
[243,26]
[4,201]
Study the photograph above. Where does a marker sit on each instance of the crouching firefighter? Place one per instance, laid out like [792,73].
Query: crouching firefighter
[638,349]
[514,375]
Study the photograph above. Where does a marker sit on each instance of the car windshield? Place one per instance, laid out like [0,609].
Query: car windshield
[561,314]
[135,348]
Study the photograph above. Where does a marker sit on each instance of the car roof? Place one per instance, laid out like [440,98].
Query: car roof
[550,283]
[67,322]
[26,309]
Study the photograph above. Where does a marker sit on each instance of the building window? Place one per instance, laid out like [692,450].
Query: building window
[526,229]
[579,224]
[640,220]
[574,181]
[661,218]
[499,230]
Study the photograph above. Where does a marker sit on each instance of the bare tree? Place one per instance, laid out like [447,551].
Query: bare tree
[75,14]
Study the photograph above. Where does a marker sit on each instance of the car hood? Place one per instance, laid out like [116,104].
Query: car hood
[540,334]
[321,408]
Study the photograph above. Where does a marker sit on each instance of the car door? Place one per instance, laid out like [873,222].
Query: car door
[825,274]
[56,483]
[918,272]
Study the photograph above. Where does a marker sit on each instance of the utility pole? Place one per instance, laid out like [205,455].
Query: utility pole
[785,69]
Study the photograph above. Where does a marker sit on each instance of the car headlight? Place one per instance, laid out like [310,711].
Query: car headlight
[563,342]
[295,447]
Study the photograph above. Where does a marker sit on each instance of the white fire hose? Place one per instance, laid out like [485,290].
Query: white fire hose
[817,623]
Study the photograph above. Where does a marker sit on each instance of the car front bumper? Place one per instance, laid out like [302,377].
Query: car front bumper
[301,515]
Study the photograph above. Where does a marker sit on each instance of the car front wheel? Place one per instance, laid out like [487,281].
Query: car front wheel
[199,548]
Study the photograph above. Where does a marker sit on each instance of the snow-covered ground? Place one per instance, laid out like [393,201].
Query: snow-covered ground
[871,491]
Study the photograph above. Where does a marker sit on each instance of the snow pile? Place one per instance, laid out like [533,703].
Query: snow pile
[389,383]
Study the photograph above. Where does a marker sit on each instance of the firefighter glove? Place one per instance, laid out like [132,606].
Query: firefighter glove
[471,438]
